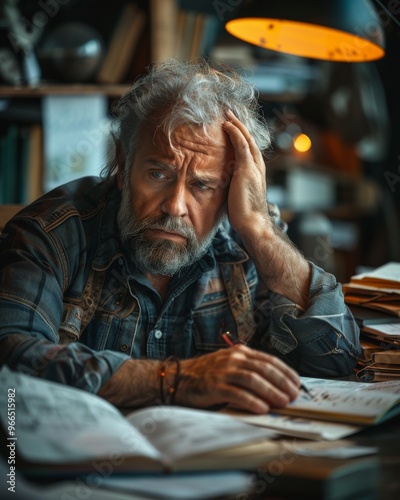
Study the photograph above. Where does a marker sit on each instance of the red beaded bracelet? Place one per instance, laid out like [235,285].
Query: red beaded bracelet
[168,399]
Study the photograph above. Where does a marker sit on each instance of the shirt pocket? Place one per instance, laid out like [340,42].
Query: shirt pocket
[72,327]
[113,324]
[210,319]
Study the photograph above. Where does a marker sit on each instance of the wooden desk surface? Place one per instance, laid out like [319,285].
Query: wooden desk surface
[328,479]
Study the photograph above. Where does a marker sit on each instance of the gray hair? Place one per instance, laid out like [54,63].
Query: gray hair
[175,93]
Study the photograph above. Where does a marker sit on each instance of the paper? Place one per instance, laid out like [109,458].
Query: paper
[345,401]
[389,329]
[319,418]
[344,452]
[66,424]
[177,437]
[299,427]
[60,424]
[389,386]
[75,135]
[192,486]
[389,271]
[77,489]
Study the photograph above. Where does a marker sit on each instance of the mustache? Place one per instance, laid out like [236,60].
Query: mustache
[165,222]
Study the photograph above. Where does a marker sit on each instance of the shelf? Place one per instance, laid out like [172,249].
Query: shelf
[62,89]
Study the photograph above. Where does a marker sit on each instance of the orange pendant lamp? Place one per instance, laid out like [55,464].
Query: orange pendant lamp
[335,30]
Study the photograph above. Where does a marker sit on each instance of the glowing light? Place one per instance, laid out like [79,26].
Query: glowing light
[305,39]
[302,143]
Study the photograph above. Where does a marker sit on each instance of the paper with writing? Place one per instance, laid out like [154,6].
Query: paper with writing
[346,401]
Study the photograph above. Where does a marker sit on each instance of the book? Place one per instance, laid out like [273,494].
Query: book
[387,332]
[21,157]
[326,478]
[338,402]
[123,43]
[380,358]
[382,301]
[186,28]
[195,49]
[350,402]
[34,182]
[375,375]
[9,164]
[374,338]
[384,277]
[64,430]
[378,289]
[365,316]
[30,164]
[376,352]
[163,29]
[306,476]
[211,29]
[198,26]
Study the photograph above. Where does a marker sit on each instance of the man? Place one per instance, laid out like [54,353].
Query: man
[102,281]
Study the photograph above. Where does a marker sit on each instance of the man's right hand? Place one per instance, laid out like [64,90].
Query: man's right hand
[239,376]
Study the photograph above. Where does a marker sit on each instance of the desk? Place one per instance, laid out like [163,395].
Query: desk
[386,437]
[276,482]
[286,474]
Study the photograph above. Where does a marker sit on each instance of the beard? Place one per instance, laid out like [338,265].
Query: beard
[160,256]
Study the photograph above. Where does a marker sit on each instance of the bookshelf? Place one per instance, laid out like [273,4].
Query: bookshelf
[16,91]
[135,33]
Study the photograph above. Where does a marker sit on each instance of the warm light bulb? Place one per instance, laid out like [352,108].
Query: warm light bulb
[302,143]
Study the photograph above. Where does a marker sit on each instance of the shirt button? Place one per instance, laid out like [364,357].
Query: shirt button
[158,334]
[124,347]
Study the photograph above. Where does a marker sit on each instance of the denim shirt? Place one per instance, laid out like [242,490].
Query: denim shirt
[74,307]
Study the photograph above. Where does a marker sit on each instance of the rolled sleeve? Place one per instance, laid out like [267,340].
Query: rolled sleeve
[322,340]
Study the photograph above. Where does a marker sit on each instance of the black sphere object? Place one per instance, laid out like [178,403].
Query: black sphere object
[71,53]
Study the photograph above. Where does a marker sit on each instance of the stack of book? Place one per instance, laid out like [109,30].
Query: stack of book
[374,299]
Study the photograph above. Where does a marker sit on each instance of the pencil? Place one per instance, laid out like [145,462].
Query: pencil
[306,390]
[226,336]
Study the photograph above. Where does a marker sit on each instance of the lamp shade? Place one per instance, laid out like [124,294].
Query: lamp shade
[336,30]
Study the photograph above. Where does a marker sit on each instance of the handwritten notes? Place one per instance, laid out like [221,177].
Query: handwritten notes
[347,401]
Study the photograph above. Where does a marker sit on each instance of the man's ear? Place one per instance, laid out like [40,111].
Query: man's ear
[120,156]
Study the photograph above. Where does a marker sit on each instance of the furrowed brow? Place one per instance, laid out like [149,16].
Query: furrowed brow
[161,164]
[205,178]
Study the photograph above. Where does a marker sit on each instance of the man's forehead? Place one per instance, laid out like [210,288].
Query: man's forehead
[211,135]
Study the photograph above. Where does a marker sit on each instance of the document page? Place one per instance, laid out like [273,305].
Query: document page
[56,423]
[179,432]
[306,428]
[349,401]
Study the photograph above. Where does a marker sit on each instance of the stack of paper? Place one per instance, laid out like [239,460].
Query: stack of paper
[380,359]
[374,299]
[378,289]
